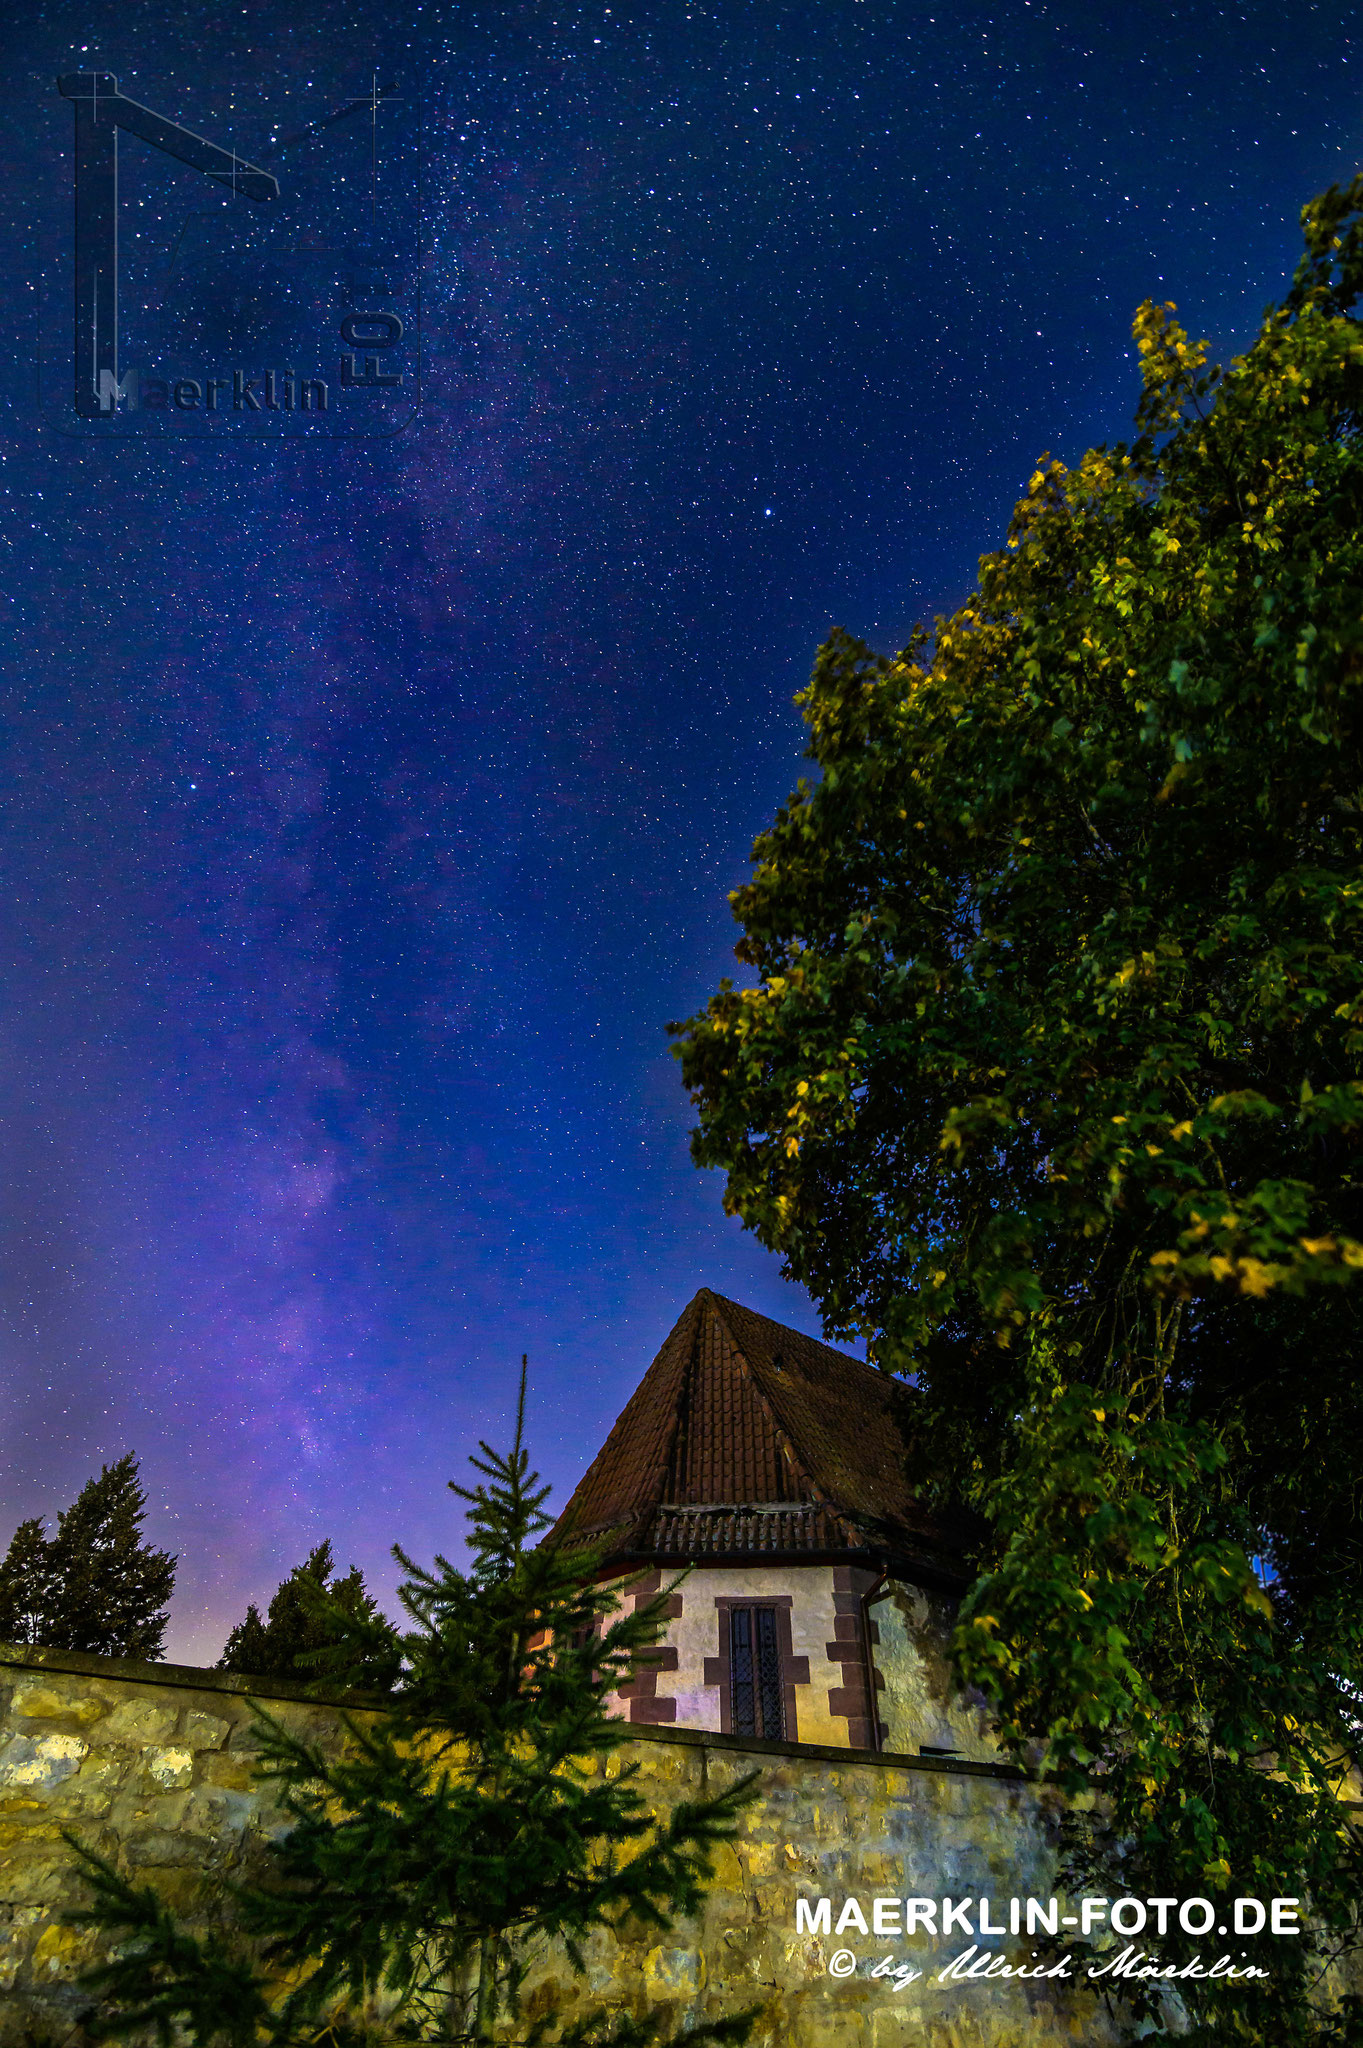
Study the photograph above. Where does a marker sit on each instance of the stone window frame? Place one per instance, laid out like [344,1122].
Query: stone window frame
[794,1670]
[647,1708]
[854,1634]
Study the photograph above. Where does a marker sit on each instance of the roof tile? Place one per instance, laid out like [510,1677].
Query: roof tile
[737,1412]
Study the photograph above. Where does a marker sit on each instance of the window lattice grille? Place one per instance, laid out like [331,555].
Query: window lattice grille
[755,1673]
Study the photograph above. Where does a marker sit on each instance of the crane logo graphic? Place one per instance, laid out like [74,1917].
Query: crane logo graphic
[237,301]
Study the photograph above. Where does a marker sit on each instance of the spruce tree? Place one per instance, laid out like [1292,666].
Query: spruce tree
[299,1623]
[94,1586]
[25,1585]
[470,1822]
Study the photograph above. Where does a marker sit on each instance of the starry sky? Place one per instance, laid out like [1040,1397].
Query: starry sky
[370,804]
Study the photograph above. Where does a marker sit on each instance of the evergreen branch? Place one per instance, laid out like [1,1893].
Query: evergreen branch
[163,1977]
[462,1822]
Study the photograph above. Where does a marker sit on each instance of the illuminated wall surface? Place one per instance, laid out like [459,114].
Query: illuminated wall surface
[385,715]
[150,1766]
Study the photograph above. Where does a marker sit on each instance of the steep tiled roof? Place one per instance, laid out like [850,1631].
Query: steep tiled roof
[746,1438]
[740,1531]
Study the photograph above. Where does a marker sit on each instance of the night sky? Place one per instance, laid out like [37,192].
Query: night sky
[370,804]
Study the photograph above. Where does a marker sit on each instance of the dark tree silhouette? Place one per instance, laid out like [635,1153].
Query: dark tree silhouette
[95,1585]
[299,1623]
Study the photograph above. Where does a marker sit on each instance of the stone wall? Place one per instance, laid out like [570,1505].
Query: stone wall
[151,1765]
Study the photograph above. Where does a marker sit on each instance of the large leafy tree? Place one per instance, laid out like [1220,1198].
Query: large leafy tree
[95,1585]
[1049,1084]
[470,1820]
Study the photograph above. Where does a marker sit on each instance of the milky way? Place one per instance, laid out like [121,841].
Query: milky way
[370,806]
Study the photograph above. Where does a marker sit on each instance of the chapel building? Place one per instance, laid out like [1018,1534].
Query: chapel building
[819,1593]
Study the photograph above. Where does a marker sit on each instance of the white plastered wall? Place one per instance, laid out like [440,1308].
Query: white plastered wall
[917,1704]
[695,1635]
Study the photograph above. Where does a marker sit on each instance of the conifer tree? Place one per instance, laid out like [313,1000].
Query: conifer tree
[470,1822]
[299,1622]
[25,1585]
[95,1585]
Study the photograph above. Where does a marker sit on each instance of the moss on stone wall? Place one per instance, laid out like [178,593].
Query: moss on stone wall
[151,1764]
